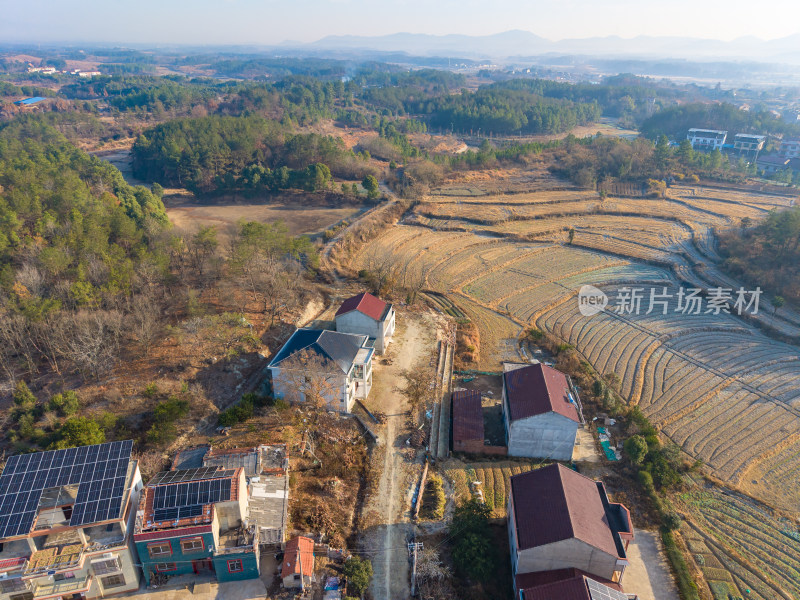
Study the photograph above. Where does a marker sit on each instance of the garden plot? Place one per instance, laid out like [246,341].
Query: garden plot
[740,545]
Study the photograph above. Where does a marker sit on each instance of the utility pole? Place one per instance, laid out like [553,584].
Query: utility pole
[413,549]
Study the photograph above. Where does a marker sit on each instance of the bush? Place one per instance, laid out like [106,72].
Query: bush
[80,431]
[671,521]
[433,499]
[23,397]
[474,555]
[163,430]
[244,409]
[150,390]
[65,404]
[359,573]
[645,480]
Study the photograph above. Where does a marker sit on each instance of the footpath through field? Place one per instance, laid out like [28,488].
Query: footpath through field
[386,544]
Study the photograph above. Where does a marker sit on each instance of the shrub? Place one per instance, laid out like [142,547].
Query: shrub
[65,404]
[359,573]
[80,431]
[645,480]
[636,448]
[171,409]
[150,390]
[23,397]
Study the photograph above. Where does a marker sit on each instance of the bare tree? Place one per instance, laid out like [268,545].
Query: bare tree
[381,264]
[144,318]
[314,380]
[94,340]
[433,577]
[419,383]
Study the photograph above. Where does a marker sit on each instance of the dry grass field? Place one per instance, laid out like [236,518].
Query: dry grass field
[717,385]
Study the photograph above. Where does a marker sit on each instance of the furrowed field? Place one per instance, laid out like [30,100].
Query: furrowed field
[720,386]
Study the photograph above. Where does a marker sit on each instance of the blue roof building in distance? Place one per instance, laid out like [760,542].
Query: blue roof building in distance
[29,101]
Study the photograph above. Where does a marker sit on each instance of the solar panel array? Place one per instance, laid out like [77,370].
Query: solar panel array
[190,475]
[598,591]
[182,500]
[99,471]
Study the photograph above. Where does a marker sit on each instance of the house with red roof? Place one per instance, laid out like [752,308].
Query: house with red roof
[540,412]
[297,568]
[365,314]
[559,519]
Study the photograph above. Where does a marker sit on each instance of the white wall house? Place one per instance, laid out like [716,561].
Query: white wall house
[365,314]
[707,139]
[790,148]
[337,365]
[540,413]
[560,519]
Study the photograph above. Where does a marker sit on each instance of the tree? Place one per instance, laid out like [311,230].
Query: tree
[66,403]
[370,184]
[635,448]
[432,576]
[777,302]
[417,386]
[571,234]
[80,431]
[359,573]
[474,555]
[315,381]
[23,397]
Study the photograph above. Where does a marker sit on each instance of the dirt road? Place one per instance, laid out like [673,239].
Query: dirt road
[386,543]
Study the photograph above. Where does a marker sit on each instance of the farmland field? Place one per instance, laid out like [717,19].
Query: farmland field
[719,385]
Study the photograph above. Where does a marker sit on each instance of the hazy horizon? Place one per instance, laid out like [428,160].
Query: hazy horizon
[270,22]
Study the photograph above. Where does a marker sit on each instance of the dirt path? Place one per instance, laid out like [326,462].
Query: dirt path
[648,574]
[386,544]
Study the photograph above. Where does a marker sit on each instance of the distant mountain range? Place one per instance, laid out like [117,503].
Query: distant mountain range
[519,43]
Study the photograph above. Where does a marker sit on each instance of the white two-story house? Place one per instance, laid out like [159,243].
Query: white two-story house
[365,314]
[334,365]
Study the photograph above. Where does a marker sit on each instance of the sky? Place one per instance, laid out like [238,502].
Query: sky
[268,22]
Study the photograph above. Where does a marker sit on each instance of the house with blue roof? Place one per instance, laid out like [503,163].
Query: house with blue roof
[323,364]
[28,102]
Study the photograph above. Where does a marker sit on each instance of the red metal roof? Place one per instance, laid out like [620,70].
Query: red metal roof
[299,552]
[555,503]
[467,416]
[537,390]
[365,303]
[526,581]
[170,533]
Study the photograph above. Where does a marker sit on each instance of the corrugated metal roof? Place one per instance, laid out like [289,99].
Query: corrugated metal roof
[467,416]
[29,101]
[537,390]
[555,503]
[367,304]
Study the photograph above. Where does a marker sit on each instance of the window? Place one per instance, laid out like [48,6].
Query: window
[107,565]
[235,566]
[189,545]
[23,596]
[14,584]
[159,549]
[161,567]
[112,581]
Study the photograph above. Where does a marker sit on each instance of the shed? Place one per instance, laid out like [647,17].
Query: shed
[467,421]
[298,562]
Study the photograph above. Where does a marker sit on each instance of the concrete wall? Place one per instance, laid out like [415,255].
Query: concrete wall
[340,399]
[249,566]
[183,562]
[572,553]
[359,323]
[543,436]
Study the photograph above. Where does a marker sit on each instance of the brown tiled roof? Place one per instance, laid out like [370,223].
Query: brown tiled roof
[555,503]
[568,589]
[530,580]
[537,390]
[298,550]
[364,303]
[467,416]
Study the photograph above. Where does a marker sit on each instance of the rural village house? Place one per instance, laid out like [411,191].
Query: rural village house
[468,429]
[365,314]
[67,521]
[336,365]
[560,519]
[540,413]
[569,584]
[298,562]
[194,521]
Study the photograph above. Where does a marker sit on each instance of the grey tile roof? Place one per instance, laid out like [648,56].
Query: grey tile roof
[341,348]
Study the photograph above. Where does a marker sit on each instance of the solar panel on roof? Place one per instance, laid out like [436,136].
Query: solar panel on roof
[27,475]
[190,475]
[598,591]
[191,494]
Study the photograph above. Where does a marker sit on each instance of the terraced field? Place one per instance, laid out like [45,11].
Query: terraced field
[742,547]
[719,385]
